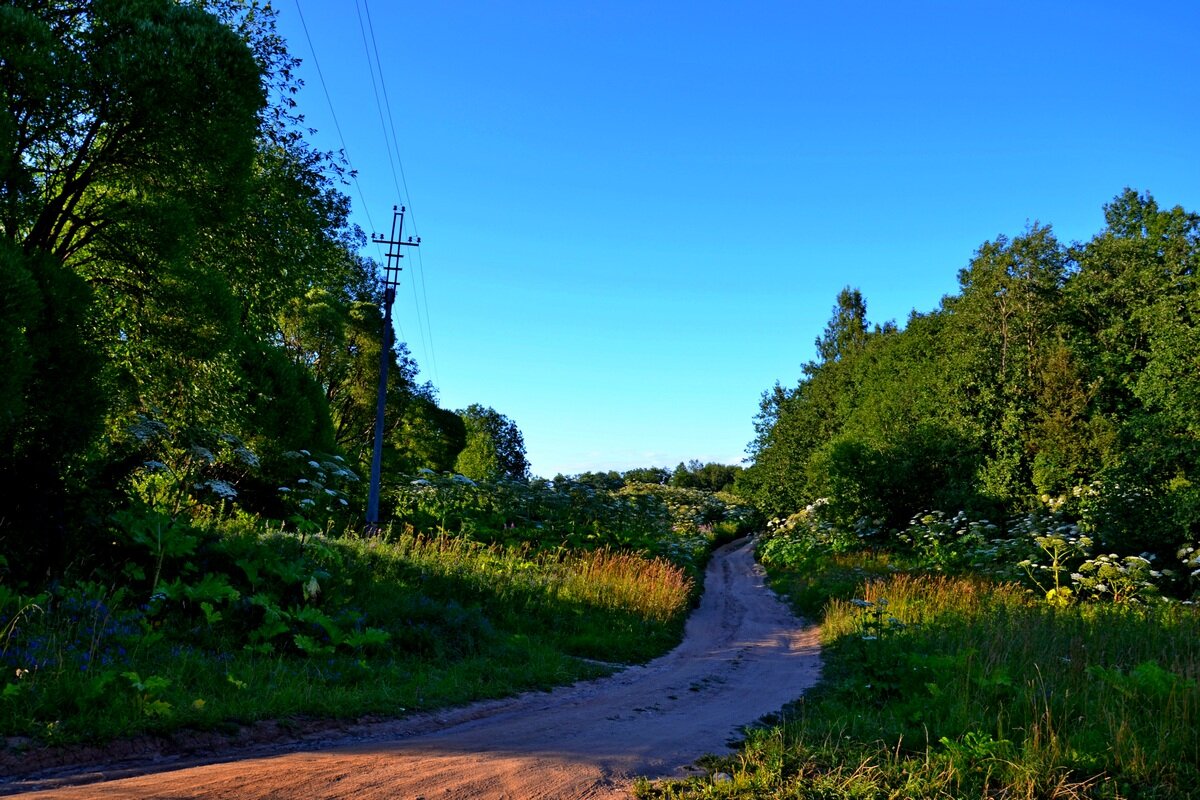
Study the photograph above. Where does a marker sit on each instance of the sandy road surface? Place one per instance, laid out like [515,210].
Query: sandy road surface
[743,656]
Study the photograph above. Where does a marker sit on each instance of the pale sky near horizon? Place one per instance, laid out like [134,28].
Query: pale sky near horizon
[635,216]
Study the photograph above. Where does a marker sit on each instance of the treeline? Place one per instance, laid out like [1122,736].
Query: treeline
[182,298]
[1060,377]
[710,477]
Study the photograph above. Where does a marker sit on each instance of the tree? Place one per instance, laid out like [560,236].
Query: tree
[1006,316]
[494,447]
[127,127]
[1136,301]
[651,475]
[846,332]
[140,170]
[792,426]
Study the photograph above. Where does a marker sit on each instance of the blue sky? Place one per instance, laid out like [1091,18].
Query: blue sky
[635,216]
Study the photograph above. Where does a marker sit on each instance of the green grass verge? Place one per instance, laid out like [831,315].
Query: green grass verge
[228,624]
[942,687]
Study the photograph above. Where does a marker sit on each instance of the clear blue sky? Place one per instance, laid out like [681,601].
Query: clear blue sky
[636,215]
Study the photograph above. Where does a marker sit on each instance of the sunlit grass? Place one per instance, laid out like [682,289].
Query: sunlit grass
[948,687]
[455,621]
[650,587]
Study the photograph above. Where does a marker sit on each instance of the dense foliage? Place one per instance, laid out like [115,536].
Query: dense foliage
[973,662]
[1060,377]
[189,351]
[181,290]
[223,623]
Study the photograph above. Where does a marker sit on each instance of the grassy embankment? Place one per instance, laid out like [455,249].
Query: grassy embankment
[239,624]
[969,687]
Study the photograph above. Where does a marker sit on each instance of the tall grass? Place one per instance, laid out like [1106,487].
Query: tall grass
[959,687]
[619,581]
[279,624]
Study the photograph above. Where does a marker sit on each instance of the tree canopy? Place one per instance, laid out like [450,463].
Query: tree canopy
[1060,376]
[179,276]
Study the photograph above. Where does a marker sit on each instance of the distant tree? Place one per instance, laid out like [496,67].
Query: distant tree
[652,475]
[494,446]
[610,480]
[846,332]
[717,477]
[711,477]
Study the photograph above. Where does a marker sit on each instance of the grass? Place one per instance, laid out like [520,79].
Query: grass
[956,687]
[247,624]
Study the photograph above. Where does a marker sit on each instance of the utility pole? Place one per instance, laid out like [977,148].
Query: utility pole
[391,281]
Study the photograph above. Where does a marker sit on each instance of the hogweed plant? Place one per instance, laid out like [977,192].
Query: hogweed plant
[1121,580]
[943,543]
[1189,556]
[319,490]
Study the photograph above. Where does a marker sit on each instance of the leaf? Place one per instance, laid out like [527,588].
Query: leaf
[157,708]
[155,684]
[370,637]
[310,645]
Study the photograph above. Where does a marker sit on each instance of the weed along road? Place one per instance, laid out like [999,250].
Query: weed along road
[743,656]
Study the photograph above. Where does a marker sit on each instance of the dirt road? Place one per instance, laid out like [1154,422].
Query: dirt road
[743,656]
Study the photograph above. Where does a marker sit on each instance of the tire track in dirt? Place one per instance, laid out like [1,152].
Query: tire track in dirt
[744,655]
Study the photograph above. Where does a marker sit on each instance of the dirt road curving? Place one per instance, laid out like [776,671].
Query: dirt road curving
[743,656]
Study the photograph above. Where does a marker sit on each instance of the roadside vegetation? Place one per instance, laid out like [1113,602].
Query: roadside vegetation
[212,617]
[968,666]
[190,339]
[994,513]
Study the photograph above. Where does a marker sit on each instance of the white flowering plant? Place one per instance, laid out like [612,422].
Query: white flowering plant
[319,491]
[187,474]
[1121,580]
[945,543]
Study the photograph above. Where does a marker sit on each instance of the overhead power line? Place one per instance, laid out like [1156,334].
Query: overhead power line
[394,146]
[333,114]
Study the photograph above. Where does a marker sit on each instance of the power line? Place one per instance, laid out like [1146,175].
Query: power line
[426,330]
[404,180]
[333,114]
[372,68]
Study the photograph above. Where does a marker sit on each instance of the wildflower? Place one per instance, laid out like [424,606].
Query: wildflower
[146,429]
[154,466]
[314,465]
[203,453]
[221,489]
[246,456]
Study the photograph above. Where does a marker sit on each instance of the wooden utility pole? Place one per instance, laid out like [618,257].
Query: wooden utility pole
[391,281]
